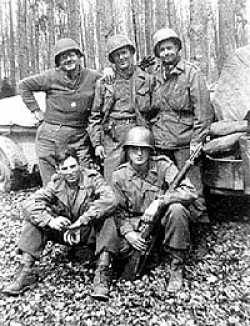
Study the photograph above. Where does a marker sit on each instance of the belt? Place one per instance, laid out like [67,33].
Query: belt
[123,121]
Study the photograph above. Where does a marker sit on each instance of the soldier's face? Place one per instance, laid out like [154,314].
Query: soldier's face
[168,51]
[70,170]
[123,58]
[138,156]
[69,60]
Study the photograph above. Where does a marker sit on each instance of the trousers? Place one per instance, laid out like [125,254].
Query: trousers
[51,138]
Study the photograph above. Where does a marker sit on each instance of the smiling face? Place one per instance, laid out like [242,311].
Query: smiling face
[168,51]
[122,58]
[69,60]
[138,156]
[70,170]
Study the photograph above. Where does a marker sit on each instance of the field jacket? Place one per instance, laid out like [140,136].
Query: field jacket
[94,198]
[135,192]
[184,109]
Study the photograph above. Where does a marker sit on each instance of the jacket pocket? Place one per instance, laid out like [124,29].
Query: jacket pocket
[178,100]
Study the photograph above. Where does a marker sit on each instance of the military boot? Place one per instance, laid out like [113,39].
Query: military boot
[24,279]
[102,277]
[176,270]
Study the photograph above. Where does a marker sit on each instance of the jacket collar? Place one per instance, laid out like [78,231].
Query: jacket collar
[61,191]
[151,176]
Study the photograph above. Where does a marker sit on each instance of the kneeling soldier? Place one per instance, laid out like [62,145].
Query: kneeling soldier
[69,210]
[137,183]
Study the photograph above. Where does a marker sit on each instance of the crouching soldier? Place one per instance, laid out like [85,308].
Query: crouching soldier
[140,181]
[69,210]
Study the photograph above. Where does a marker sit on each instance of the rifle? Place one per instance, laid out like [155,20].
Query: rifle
[137,261]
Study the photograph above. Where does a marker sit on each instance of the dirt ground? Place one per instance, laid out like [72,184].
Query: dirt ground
[216,290]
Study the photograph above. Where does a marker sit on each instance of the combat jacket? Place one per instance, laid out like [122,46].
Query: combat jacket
[127,99]
[93,197]
[135,192]
[68,102]
[185,112]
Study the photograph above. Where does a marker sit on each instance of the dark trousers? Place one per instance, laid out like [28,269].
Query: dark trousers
[174,225]
[33,239]
[50,138]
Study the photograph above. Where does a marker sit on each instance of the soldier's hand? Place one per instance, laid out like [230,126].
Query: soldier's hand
[82,220]
[39,115]
[151,211]
[100,152]
[59,223]
[108,75]
[146,62]
[136,241]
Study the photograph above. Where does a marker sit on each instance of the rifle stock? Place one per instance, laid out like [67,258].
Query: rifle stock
[138,260]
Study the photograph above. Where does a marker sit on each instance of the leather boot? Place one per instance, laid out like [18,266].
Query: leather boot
[102,277]
[24,278]
[176,270]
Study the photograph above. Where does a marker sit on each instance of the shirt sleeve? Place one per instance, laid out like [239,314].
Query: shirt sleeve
[95,119]
[185,193]
[105,201]
[37,209]
[36,83]
[123,218]
[200,101]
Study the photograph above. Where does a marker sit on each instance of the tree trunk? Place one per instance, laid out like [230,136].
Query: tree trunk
[12,50]
[148,19]
[226,30]
[198,34]
[74,19]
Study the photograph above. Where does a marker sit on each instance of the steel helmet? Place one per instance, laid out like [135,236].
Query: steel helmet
[65,44]
[139,136]
[116,42]
[165,34]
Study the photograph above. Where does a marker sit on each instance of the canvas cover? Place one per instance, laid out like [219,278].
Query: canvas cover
[231,99]
[14,112]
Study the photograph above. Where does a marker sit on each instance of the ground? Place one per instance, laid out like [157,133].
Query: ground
[216,290]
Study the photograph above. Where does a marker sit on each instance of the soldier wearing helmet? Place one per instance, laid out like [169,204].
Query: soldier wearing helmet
[185,113]
[137,183]
[120,105]
[69,89]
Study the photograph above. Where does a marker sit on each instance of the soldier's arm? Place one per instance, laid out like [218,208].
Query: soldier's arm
[123,219]
[37,209]
[35,83]
[200,101]
[185,193]
[104,203]
[95,120]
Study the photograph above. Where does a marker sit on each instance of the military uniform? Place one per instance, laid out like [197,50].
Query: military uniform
[116,109]
[93,197]
[135,192]
[183,119]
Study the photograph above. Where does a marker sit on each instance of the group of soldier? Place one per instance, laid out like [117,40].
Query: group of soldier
[142,127]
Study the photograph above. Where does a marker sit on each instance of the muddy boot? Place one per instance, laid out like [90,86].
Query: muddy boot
[24,279]
[102,277]
[176,270]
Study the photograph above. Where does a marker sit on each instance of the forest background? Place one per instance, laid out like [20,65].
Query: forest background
[210,31]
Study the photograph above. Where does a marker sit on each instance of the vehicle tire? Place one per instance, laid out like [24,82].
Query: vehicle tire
[5,174]
[11,159]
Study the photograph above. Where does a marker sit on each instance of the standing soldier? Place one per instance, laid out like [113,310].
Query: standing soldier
[185,113]
[120,105]
[69,92]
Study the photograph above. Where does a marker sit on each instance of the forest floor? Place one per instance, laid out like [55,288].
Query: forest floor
[216,290]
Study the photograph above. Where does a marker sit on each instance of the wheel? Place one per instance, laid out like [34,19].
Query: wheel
[5,177]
